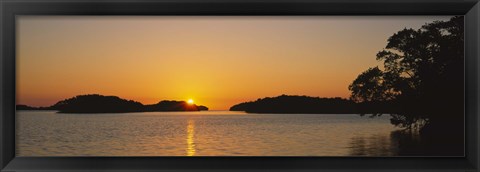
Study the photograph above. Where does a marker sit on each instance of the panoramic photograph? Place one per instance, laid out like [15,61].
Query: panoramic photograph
[386,86]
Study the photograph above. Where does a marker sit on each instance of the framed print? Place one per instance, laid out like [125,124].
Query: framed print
[254,85]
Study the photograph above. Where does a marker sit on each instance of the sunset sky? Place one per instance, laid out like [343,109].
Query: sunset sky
[216,61]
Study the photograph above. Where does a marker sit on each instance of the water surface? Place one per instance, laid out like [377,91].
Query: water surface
[205,133]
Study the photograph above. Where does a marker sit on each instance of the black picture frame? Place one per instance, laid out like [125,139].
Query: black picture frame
[9,9]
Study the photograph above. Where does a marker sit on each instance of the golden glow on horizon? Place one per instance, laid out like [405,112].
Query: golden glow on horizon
[190,101]
[221,61]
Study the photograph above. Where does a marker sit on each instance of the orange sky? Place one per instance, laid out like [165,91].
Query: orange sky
[216,61]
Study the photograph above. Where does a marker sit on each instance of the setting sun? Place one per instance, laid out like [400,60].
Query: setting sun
[237,86]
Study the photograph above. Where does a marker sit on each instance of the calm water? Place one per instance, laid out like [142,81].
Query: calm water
[219,133]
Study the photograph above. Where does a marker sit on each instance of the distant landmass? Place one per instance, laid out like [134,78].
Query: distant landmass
[95,103]
[25,107]
[305,104]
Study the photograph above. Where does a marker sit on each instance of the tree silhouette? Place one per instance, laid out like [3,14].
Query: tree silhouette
[422,76]
[369,86]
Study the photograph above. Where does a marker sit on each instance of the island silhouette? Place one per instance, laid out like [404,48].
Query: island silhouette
[289,104]
[298,104]
[96,103]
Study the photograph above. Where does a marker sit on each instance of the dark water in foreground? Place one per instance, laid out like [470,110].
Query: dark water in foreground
[209,133]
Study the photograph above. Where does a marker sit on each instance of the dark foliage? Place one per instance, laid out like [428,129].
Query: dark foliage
[298,104]
[170,105]
[95,103]
[423,73]
[201,108]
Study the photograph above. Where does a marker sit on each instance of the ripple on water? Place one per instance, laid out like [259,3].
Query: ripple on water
[46,133]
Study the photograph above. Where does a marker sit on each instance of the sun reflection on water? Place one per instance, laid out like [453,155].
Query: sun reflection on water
[190,140]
